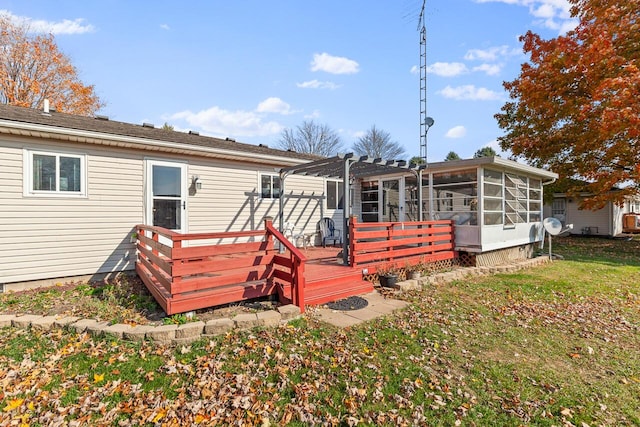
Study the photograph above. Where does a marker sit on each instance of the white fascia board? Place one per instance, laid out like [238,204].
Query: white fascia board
[100,138]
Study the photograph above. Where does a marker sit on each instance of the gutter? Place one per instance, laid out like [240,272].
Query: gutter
[90,137]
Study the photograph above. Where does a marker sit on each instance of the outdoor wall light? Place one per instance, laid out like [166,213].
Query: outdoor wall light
[196,183]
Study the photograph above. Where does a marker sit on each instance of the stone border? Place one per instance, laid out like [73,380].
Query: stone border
[193,331]
[162,334]
[461,273]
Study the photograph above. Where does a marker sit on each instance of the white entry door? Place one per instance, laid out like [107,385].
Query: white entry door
[166,195]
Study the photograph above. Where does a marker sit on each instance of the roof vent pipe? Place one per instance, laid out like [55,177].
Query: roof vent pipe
[45,107]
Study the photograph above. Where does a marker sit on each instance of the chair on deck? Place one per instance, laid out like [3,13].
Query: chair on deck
[328,232]
[289,232]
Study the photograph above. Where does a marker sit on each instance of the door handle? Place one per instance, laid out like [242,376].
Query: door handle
[184,205]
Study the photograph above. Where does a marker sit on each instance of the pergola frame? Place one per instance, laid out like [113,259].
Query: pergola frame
[350,167]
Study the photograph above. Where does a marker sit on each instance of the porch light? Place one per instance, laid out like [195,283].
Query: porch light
[195,182]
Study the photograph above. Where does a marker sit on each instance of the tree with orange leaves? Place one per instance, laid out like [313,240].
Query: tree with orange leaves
[32,69]
[575,107]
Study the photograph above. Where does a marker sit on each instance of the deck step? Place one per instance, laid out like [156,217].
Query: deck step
[335,288]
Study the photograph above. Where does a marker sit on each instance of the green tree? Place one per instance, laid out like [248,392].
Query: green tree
[167,126]
[311,138]
[417,160]
[452,155]
[485,152]
[377,143]
[575,107]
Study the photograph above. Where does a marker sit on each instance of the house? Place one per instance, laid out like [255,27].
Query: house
[75,187]
[606,221]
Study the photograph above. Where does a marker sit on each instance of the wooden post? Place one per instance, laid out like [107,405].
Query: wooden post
[352,240]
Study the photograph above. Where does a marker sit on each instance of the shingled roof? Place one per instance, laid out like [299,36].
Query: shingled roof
[103,125]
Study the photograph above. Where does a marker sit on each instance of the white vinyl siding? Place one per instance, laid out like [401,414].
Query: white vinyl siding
[49,237]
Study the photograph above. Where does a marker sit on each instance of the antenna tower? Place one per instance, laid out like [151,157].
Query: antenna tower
[424,128]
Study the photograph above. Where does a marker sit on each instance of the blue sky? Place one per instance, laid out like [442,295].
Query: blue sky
[249,69]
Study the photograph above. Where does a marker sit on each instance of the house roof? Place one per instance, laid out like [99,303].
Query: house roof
[101,130]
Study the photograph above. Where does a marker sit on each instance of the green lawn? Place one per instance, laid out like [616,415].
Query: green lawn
[548,346]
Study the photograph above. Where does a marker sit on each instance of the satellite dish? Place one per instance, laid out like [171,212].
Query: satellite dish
[552,225]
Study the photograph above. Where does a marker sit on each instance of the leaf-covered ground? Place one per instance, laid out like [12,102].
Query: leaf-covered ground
[550,346]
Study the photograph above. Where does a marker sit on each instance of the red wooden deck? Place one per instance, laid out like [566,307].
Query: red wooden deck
[186,272]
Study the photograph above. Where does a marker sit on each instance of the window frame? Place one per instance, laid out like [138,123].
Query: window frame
[272,179]
[338,196]
[28,172]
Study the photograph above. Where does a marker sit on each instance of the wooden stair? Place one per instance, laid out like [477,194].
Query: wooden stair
[335,287]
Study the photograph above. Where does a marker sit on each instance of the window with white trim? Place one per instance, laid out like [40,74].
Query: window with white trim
[335,194]
[48,173]
[269,186]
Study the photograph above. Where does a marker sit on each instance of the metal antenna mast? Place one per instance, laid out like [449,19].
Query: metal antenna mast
[425,121]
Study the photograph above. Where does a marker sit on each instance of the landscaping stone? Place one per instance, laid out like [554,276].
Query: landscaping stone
[407,285]
[289,312]
[6,320]
[269,318]
[246,321]
[117,330]
[25,320]
[65,321]
[137,333]
[190,330]
[163,334]
[81,325]
[45,323]
[218,326]
[97,328]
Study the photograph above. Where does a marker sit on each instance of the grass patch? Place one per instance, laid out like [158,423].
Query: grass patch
[552,345]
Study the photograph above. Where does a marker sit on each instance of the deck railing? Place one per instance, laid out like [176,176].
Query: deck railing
[386,245]
[198,274]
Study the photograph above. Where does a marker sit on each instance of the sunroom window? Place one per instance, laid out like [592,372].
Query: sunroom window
[55,174]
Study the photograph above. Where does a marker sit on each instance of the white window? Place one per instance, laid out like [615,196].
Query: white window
[269,186]
[335,195]
[58,174]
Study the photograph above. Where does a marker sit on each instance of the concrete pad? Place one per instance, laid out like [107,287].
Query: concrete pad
[378,306]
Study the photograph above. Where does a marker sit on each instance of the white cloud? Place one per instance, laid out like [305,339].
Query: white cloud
[495,144]
[220,122]
[470,92]
[491,54]
[334,64]
[274,105]
[66,26]
[447,69]
[165,27]
[314,115]
[456,132]
[414,70]
[489,69]
[552,14]
[317,84]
